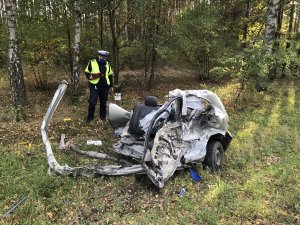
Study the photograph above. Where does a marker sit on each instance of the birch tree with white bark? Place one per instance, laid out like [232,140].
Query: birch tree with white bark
[15,71]
[270,31]
[76,51]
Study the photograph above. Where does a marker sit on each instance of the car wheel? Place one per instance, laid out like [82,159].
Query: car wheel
[214,158]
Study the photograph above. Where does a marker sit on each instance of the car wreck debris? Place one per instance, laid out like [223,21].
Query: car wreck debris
[14,206]
[190,128]
[92,142]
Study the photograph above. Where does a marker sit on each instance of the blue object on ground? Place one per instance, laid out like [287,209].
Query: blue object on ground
[181,192]
[195,176]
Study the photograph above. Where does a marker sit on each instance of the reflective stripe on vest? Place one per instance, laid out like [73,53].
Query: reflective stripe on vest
[96,69]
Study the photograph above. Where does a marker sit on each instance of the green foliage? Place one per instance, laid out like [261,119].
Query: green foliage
[254,64]
[47,45]
[228,66]
[195,37]
[130,55]
[200,40]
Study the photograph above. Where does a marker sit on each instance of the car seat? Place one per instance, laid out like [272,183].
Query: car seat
[139,112]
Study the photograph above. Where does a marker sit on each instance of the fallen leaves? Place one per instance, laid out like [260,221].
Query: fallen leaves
[49,215]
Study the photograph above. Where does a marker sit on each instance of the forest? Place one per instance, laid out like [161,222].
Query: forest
[245,51]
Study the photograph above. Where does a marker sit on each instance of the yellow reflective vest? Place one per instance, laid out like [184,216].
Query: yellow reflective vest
[96,70]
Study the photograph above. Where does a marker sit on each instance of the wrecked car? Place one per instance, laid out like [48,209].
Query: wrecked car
[190,128]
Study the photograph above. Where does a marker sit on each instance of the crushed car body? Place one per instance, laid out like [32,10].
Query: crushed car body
[190,128]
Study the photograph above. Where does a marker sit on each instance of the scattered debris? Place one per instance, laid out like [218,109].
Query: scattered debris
[29,154]
[118,97]
[182,192]
[195,176]
[14,206]
[67,119]
[92,142]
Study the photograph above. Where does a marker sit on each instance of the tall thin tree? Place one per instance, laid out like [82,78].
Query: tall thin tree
[15,71]
[154,43]
[292,12]
[76,52]
[270,30]
[246,23]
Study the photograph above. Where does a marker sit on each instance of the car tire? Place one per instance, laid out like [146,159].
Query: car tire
[214,158]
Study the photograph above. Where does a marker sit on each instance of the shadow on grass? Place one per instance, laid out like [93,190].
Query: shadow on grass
[267,165]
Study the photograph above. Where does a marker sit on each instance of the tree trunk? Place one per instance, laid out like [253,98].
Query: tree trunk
[153,43]
[115,46]
[297,20]
[146,53]
[278,36]
[69,42]
[76,52]
[270,25]
[245,30]
[153,54]
[288,44]
[126,25]
[15,71]
[2,9]
[100,19]
[279,23]
[269,42]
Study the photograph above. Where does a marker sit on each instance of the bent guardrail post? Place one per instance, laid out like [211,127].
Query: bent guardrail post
[53,164]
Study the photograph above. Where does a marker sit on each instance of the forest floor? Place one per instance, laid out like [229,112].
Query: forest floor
[259,184]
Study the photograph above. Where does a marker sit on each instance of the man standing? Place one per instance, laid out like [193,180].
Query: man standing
[100,76]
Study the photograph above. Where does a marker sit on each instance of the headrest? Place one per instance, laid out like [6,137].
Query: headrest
[151,101]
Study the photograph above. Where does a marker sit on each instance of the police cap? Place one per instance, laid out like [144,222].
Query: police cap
[103,53]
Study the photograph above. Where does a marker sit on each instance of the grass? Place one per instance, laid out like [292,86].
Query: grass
[260,183]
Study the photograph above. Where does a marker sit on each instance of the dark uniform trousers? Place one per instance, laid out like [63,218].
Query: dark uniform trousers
[95,92]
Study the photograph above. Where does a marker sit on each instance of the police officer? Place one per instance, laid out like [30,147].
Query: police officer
[100,76]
